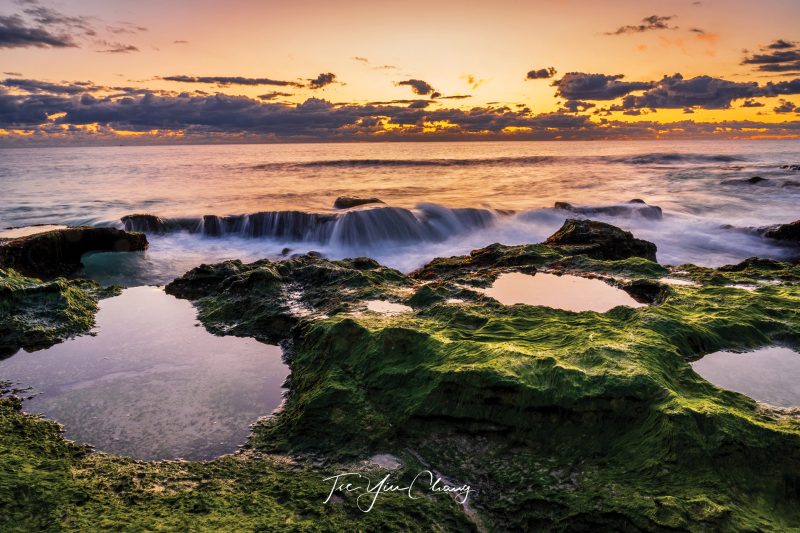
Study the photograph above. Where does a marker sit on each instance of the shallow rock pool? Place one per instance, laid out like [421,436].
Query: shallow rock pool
[571,293]
[152,383]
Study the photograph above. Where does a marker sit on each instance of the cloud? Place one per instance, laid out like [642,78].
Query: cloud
[542,73]
[361,59]
[418,86]
[675,92]
[37,86]
[575,106]
[50,17]
[582,86]
[473,81]
[326,78]
[115,48]
[751,103]
[779,56]
[180,41]
[230,80]
[273,95]
[786,107]
[653,22]
[13,73]
[84,112]
[14,33]
[456,97]
[780,44]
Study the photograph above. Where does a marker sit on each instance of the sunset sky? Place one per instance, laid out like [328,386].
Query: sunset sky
[155,71]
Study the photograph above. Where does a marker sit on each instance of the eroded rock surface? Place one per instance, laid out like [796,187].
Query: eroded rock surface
[59,252]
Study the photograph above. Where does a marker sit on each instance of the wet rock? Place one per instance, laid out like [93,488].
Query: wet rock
[632,207]
[601,241]
[346,202]
[646,291]
[144,223]
[36,314]
[784,232]
[755,180]
[59,252]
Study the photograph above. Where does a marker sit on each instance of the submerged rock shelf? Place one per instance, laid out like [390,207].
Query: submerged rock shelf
[560,420]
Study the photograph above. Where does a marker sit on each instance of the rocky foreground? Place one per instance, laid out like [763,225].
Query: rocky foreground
[558,420]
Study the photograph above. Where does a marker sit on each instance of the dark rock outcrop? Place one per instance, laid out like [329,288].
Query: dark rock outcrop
[784,232]
[346,202]
[632,207]
[145,223]
[58,252]
[601,241]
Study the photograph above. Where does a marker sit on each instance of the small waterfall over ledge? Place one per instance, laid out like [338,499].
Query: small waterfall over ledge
[358,227]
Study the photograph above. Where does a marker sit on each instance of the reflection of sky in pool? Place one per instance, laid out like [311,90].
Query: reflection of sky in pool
[770,375]
[152,383]
[572,293]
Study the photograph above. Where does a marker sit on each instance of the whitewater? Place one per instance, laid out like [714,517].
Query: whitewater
[201,204]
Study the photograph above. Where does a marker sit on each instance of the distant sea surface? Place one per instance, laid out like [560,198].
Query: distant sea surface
[252,201]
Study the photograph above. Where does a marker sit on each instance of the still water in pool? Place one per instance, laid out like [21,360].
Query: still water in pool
[571,293]
[152,383]
[770,375]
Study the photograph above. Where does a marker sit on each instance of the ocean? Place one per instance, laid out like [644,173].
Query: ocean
[441,199]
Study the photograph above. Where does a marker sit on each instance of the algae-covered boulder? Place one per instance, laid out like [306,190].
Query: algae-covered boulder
[346,202]
[601,240]
[59,252]
[36,314]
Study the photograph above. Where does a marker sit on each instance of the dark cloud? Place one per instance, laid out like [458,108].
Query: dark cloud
[779,56]
[273,95]
[418,86]
[180,41]
[653,22]
[14,33]
[125,28]
[63,110]
[361,59]
[50,17]
[37,86]
[780,44]
[786,107]
[326,78]
[751,103]
[456,97]
[107,47]
[582,86]
[231,80]
[575,106]
[675,92]
[783,88]
[13,73]
[540,74]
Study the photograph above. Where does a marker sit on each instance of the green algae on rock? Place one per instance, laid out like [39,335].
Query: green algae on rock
[36,314]
[565,421]
[561,421]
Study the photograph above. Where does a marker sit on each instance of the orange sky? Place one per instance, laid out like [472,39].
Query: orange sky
[480,49]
